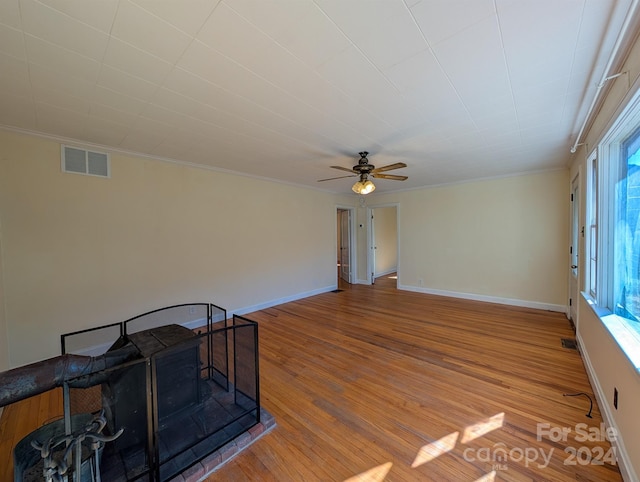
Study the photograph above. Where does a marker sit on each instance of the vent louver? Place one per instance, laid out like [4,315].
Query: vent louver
[82,161]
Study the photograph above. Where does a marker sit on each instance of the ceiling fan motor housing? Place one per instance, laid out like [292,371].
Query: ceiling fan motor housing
[363,166]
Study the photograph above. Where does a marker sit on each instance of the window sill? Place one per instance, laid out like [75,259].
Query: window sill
[625,332]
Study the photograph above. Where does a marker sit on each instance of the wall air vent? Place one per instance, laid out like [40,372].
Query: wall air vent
[82,161]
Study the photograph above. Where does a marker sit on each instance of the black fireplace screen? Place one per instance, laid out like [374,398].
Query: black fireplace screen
[184,394]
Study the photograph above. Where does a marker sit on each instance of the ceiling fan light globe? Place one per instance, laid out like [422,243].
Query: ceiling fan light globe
[363,187]
[368,187]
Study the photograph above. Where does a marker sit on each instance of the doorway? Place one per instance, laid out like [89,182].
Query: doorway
[383,242]
[344,251]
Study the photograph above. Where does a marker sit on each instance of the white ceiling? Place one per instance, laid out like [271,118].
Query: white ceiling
[283,89]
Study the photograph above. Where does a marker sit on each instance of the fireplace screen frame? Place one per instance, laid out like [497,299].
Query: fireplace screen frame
[227,393]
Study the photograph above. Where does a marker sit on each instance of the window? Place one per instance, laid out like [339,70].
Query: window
[626,271]
[612,261]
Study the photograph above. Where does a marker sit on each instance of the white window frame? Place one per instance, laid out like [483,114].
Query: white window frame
[608,154]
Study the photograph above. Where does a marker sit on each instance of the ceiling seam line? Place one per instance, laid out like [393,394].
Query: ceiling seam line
[506,67]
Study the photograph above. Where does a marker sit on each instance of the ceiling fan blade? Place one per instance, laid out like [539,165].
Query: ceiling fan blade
[396,165]
[343,168]
[389,176]
[332,178]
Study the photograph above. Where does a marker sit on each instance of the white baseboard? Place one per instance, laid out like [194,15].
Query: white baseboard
[278,301]
[488,299]
[362,282]
[197,323]
[384,273]
[624,464]
[200,322]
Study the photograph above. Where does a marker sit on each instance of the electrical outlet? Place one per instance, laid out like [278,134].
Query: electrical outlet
[615,398]
[420,282]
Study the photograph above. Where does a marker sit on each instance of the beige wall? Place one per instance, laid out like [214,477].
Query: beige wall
[606,363]
[81,251]
[386,240]
[500,240]
[609,368]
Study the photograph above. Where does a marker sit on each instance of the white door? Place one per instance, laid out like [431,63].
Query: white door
[345,240]
[574,250]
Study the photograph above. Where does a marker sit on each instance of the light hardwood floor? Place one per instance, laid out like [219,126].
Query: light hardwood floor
[22,418]
[373,383]
[378,384]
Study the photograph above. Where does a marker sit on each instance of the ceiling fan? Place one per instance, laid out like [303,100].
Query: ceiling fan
[366,170]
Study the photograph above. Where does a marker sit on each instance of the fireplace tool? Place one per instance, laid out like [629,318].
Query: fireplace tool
[57,469]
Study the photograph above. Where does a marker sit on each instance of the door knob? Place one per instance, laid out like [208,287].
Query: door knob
[574,266]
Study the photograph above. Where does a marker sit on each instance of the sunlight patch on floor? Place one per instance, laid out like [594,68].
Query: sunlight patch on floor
[435,449]
[393,277]
[490,477]
[479,429]
[376,474]
[446,444]
[431,451]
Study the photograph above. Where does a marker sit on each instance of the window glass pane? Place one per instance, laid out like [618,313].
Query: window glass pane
[592,248]
[627,232]
[592,260]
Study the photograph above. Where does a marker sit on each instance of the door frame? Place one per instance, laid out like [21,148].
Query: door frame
[371,240]
[353,268]
[576,237]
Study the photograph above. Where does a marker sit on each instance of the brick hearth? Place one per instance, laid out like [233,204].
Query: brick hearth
[216,459]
